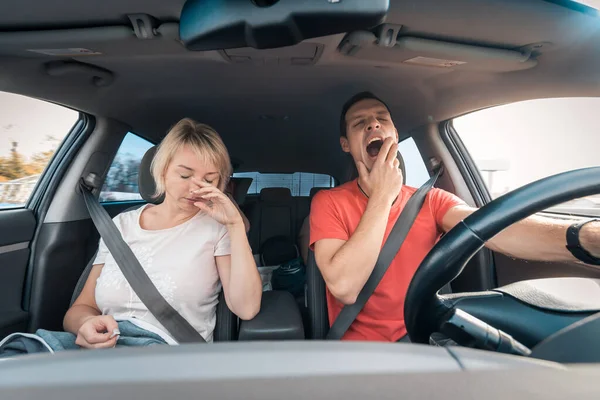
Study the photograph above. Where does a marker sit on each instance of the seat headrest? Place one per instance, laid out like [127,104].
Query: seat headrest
[275,194]
[145,180]
[314,191]
[240,189]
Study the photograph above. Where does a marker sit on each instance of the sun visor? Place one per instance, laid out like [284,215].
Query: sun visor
[93,42]
[388,48]
[263,24]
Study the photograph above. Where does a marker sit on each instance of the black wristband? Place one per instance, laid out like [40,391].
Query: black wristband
[574,246]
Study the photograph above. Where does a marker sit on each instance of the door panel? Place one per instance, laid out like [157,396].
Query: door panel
[18,227]
[64,251]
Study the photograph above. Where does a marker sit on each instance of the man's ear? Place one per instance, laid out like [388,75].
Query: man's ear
[345,144]
[397,136]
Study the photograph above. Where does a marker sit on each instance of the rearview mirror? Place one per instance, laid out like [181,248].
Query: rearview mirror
[262,24]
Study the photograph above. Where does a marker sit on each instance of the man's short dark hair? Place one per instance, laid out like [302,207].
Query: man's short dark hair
[352,101]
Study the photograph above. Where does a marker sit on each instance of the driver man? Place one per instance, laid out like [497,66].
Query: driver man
[350,223]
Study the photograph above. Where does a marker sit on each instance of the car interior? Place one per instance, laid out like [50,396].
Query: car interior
[271,77]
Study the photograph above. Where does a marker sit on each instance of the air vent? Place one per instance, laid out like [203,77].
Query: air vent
[300,54]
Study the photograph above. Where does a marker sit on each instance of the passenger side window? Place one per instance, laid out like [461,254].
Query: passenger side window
[121,183]
[31,131]
[519,143]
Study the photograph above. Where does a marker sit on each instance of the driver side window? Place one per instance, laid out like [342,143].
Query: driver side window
[516,144]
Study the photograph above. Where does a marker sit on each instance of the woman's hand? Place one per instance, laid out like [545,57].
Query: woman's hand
[97,333]
[217,204]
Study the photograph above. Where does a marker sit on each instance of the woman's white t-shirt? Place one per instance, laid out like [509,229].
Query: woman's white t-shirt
[180,261]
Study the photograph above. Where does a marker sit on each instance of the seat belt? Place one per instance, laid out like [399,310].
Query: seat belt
[177,326]
[391,247]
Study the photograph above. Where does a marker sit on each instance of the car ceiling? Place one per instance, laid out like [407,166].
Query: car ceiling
[278,118]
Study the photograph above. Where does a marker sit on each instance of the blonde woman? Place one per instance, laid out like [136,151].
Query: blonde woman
[191,245]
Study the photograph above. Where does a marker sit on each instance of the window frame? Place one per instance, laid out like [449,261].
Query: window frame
[465,163]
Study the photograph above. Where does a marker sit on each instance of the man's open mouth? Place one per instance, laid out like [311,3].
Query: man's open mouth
[374,147]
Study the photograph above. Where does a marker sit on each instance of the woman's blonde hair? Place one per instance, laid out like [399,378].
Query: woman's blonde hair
[202,140]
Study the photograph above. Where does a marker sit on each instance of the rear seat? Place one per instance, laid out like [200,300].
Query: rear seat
[274,214]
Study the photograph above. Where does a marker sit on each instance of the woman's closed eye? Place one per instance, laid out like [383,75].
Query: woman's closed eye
[189,176]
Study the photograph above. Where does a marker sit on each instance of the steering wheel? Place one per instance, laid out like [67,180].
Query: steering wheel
[425,310]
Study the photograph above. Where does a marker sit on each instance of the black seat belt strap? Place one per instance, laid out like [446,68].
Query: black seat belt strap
[390,248]
[177,326]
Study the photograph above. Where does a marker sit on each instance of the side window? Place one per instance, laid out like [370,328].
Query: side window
[416,171]
[519,143]
[31,131]
[299,183]
[121,183]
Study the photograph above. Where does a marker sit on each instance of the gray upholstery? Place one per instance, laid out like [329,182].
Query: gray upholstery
[226,328]
[304,231]
[279,319]
[82,279]
[317,303]
[566,295]
[275,194]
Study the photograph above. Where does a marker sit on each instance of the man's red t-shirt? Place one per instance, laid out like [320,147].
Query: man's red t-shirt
[335,214]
